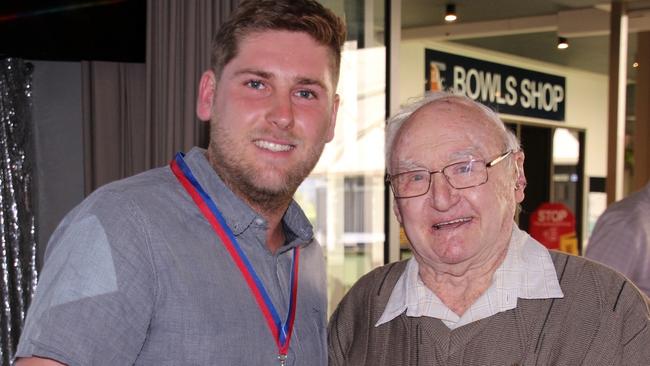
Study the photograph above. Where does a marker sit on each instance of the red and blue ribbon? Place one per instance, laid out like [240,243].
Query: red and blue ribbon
[280,331]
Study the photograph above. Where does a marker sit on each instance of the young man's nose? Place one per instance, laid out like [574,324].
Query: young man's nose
[281,112]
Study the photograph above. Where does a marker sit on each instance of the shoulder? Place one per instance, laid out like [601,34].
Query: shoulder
[604,307]
[130,198]
[114,217]
[355,317]
[631,211]
[98,280]
[380,281]
[369,294]
[145,185]
[598,286]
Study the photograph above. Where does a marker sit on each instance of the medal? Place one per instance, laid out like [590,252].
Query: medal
[281,331]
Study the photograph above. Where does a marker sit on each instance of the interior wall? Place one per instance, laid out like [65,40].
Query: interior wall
[58,147]
[586,93]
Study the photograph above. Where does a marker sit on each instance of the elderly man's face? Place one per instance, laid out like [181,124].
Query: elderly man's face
[449,226]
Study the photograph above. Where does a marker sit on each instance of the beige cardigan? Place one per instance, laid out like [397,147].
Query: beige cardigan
[602,320]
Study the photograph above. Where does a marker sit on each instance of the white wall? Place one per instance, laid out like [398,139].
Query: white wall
[586,93]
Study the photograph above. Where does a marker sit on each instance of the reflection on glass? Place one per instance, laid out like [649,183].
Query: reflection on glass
[566,156]
[566,147]
[344,195]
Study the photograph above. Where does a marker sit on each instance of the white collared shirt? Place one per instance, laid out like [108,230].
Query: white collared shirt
[527,272]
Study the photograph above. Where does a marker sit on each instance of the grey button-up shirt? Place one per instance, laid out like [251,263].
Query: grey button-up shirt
[136,275]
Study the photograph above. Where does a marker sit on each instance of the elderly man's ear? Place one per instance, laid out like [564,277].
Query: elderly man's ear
[398,214]
[520,182]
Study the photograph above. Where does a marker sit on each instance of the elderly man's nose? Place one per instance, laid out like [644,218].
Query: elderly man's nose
[443,194]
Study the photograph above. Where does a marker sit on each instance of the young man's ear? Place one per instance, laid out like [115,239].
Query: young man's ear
[205,99]
[335,109]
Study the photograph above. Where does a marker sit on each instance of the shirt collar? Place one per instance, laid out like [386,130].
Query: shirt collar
[527,272]
[237,214]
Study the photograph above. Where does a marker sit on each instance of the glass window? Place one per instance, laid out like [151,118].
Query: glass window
[344,195]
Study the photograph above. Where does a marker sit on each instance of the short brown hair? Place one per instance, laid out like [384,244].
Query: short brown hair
[292,15]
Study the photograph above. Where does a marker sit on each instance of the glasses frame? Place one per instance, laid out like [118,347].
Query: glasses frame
[490,164]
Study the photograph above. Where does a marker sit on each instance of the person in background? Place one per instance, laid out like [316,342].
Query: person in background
[208,261]
[478,290]
[621,238]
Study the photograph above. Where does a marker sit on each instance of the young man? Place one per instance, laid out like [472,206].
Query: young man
[208,261]
[478,291]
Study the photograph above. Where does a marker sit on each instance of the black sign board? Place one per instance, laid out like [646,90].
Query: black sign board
[506,89]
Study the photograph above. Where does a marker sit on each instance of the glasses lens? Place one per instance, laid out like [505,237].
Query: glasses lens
[466,174]
[411,184]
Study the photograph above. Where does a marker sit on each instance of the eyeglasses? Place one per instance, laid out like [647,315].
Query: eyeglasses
[465,174]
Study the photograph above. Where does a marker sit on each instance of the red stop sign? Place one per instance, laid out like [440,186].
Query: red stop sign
[551,224]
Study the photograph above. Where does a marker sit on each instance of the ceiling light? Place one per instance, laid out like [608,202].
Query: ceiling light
[562,43]
[450,14]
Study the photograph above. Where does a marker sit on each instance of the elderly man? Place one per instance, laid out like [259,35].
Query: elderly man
[478,291]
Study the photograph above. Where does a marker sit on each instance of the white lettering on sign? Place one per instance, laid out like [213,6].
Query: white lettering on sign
[540,95]
[552,215]
[473,74]
[480,84]
[511,85]
[487,87]
[459,79]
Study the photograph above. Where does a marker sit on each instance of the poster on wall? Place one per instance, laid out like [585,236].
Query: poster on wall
[554,225]
[506,89]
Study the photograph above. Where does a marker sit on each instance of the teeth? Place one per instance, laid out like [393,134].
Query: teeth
[272,146]
[452,222]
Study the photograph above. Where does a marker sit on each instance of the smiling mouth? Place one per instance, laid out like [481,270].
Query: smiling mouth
[272,146]
[452,223]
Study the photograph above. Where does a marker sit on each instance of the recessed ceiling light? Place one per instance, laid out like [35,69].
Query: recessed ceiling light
[450,14]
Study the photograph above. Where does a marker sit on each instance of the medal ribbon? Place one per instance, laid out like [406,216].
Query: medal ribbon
[280,331]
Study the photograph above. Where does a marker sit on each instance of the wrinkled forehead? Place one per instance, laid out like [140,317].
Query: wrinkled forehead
[450,128]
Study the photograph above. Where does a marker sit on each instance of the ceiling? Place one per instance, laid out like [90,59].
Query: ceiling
[73,30]
[528,28]
[115,30]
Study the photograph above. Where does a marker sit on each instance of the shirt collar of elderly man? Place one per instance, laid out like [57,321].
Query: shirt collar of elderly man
[457,177]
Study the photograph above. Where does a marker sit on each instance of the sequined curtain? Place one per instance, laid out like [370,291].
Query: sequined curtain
[17,227]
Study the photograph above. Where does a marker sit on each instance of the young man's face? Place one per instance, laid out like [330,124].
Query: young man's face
[272,110]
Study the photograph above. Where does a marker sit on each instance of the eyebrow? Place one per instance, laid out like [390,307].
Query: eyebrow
[469,153]
[269,75]
[408,165]
[260,73]
[308,81]
[455,157]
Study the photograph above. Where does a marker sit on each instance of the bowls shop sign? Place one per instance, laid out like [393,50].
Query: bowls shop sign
[506,89]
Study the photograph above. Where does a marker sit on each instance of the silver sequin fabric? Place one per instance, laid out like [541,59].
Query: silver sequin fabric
[18,271]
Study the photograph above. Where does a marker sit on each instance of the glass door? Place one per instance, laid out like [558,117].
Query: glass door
[344,195]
